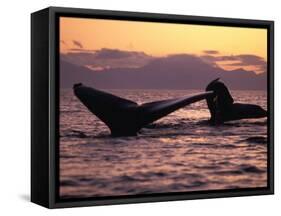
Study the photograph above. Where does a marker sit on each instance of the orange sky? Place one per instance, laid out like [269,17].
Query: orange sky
[160,39]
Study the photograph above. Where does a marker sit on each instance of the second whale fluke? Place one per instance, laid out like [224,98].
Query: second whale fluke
[222,107]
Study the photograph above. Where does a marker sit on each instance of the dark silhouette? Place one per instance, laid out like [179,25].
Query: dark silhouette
[222,107]
[125,117]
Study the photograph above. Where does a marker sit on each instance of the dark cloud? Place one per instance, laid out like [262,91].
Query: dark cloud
[77,44]
[107,58]
[114,58]
[243,59]
[209,58]
[81,50]
[211,52]
[251,59]
[117,54]
[214,59]
[227,58]
[112,54]
[183,59]
[238,60]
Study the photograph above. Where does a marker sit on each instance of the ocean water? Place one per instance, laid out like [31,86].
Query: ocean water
[180,152]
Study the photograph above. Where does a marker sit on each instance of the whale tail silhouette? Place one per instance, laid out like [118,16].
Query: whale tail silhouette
[125,117]
[222,107]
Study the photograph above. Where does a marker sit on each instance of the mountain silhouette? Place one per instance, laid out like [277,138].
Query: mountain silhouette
[181,71]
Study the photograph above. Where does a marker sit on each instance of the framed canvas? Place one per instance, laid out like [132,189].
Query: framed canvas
[137,107]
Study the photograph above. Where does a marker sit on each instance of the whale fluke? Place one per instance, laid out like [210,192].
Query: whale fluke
[222,107]
[125,117]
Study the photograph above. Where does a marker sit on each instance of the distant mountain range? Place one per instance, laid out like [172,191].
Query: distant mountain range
[172,72]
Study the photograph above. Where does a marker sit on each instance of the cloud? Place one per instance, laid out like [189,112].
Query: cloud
[245,59]
[107,58]
[216,59]
[237,60]
[81,50]
[113,54]
[250,60]
[180,71]
[77,44]
[211,52]
[227,58]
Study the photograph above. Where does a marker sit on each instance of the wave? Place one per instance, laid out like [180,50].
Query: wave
[255,140]
[81,134]
[251,169]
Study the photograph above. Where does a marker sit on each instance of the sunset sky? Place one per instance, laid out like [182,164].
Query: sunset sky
[228,47]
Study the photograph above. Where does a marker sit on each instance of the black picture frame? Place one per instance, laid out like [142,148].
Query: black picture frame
[45,109]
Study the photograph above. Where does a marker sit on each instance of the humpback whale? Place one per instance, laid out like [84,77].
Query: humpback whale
[222,107]
[125,117]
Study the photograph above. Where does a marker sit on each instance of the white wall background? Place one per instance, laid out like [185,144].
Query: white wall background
[15,107]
